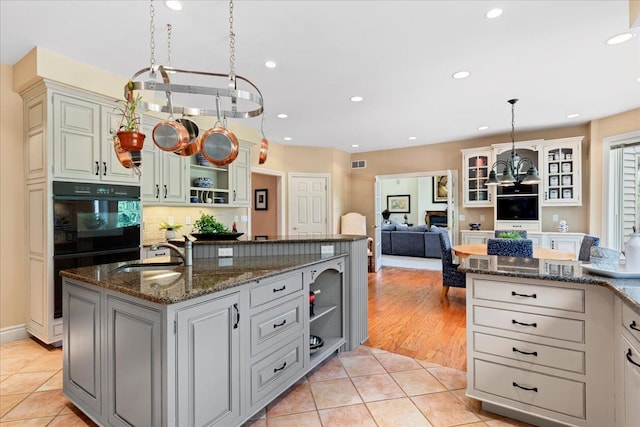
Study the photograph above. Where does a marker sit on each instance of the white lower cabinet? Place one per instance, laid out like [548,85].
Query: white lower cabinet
[567,242]
[627,366]
[476,237]
[539,351]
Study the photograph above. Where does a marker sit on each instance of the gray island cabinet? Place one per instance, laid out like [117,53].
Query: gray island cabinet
[207,345]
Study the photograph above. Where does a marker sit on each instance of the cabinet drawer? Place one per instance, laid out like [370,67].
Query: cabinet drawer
[534,353]
[551,393]
[272,289]
[529,323]
[270,375]
[631,322]
[533,295]
[275,324]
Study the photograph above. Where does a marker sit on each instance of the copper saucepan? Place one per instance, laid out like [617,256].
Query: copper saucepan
[194,141]
[264,147]
[219,145]
[128,159]
[169,135]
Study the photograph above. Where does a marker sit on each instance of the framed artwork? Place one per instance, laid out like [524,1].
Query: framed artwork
[399,204]
[260,202]
[439,194]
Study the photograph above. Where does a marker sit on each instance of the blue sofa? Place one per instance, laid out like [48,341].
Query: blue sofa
[416,241]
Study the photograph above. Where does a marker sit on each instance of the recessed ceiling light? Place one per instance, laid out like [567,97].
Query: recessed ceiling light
[173,4]
[483,128]
[270,64]
[282,116]
[356,98]
[620,38]
[355,145]
[494,13]
[461,75]
[412,138]
[638,79]
[573,116]
[287,138]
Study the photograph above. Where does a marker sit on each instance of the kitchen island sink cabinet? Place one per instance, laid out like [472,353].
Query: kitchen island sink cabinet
[207,345]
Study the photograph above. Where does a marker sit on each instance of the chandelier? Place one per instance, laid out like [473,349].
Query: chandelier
[218,95]
[511,168]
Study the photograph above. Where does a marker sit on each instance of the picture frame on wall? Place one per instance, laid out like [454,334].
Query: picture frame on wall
[260,202]
[439,193]
[399,203]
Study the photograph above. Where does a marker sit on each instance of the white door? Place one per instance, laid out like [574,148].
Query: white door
[377,238]
[308,205]
[452,205]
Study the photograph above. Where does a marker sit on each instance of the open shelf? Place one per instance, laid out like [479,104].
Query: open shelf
[321,311]
[331,344]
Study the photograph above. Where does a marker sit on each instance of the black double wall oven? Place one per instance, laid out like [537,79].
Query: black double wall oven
[93,224]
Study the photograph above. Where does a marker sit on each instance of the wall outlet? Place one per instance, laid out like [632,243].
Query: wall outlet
[171,220]
[225,252]
[225,262]
[236,219]
[554,218]
[481,217]
[326,250]
[187,220]
[244,218]
[461,217]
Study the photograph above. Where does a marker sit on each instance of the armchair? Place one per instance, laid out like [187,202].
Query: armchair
[355,224]
[451,277]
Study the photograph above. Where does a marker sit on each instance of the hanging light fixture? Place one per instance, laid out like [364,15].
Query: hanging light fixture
[511,168]
[243,98]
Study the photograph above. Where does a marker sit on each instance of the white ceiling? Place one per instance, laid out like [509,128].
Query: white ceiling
[398,55]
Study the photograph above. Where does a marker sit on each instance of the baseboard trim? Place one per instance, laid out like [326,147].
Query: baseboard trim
[13,333]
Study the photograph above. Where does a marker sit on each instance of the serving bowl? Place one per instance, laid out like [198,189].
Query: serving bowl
[605,258]
[474,226]
[315,342]
[203,182]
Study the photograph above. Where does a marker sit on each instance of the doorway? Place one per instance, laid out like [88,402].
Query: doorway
[268,219]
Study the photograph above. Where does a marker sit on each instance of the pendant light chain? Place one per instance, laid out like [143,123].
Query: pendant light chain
[152,30]
[232,48]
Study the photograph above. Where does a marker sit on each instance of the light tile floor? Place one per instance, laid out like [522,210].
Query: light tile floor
[365,387]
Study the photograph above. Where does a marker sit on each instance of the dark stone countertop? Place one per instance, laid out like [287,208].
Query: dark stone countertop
[267,239]
[544,269]
[173,285]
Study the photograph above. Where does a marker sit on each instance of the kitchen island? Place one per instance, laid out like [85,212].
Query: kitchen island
[552,345]
[209,344]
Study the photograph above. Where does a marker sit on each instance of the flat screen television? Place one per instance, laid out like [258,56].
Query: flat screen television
[517,208]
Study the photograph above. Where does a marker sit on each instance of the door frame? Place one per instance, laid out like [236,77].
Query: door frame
[280,198]
[328,197]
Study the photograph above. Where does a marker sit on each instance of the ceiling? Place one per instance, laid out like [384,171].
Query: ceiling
[398,55]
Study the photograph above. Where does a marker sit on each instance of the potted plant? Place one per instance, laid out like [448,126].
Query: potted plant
[510,235]
[208,224]
[128,133]
[170,230]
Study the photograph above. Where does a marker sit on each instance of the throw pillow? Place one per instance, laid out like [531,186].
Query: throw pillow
[402,227]
[389,227]
[420,228]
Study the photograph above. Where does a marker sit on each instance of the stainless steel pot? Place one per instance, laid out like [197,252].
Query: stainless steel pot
[219,145]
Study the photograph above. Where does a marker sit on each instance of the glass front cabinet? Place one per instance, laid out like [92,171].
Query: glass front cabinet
[561,177]
[476,165]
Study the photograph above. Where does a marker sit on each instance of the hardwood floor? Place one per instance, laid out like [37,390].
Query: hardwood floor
[407,316]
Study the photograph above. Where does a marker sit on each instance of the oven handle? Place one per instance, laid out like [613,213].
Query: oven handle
[92,253]
[88,197]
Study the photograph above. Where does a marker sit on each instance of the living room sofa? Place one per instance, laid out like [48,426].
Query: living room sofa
[404,240]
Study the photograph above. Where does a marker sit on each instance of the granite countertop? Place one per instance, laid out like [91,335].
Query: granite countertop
[544,269]
[180,283]
[267,239]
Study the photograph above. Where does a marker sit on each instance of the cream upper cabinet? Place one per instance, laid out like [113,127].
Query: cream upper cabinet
[476,165]
[82,147]
[241,177]
[561,173]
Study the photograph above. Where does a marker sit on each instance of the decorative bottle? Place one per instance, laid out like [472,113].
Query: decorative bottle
[632,252]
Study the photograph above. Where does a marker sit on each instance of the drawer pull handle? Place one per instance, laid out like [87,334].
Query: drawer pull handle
[515,294]
[529,353]
[515,384]
[280,289]
[629,354]
[513,321]
[284,365]
[634,326]
[235,307]
[277,325]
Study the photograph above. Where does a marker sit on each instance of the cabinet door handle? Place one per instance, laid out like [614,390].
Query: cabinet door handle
[104,164]
[235,307]
[284,365]
[277,325]
[513,321]
[629,354]
[515,294]
[528,353]
[280,289]
[634,326]
[234,195]
[157,191]
[97,168]
[165,191]
[515,384]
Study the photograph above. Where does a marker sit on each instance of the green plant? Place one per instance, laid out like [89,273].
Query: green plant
[167,226]
[209,224]
[130,120]
[510,235]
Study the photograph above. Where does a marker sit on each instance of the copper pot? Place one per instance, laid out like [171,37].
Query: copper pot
[194,141]
[128,159]
[219,145]
[170,135]
[264,147]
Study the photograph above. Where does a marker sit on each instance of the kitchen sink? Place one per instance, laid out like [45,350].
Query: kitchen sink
[151,266]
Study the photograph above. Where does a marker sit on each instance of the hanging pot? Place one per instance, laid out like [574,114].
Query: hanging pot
[219,145]
[169,135]
[128,159]
[131,140]
[264,147]
[194,141]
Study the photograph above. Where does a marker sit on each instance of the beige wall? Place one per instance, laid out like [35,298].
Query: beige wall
[265,223]
[13,289]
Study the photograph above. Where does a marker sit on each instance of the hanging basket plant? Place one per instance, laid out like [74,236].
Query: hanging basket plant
[128,133]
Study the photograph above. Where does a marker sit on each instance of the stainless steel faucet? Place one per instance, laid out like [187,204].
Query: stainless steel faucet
[185,254]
